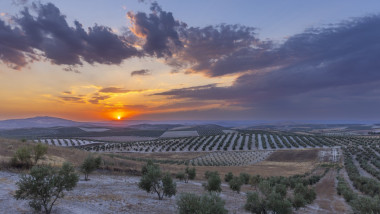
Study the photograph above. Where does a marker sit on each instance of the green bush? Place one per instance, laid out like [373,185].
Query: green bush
[298,201]
[22,158]
[89,165]
[39,151]
[254,203]
[191,172]
[255,180]
[44,185]
[209,174]
[228,177]
[235,184]
[365,204]
[213,183]
[211,203]
[244,177]
[181,176]
[308,193]
[154,181]
[278,204]
[170,187]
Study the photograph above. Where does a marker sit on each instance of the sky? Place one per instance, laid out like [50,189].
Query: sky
[190,60]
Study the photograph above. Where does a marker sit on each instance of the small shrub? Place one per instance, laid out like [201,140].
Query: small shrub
[235,184]
[181,176]
[39,151]
[89,165]
[211,203]
[244,177]
[191,172]
[213,183]
[22,158]
[228,177]
[254,203]
[154,181]
[44,185]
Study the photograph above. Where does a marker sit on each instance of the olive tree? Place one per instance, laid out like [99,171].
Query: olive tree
[45,185]
[89,165]
[213,182]
[39,151]
[154,181]
[235,184]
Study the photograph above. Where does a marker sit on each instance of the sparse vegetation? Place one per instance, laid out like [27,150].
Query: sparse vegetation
[210,203]
[90,164]
[45,185]
[154,181]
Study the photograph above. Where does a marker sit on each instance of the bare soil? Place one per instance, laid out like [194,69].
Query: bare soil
[294,155]
[327,201]
[112,194]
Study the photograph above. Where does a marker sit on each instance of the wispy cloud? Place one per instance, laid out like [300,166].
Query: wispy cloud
[142,72]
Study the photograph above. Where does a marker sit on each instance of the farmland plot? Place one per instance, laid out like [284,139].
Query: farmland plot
[230,158]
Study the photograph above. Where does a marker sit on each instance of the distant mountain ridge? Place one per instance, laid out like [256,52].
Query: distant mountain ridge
[38,122]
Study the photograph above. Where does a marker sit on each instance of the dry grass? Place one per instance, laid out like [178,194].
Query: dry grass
[302,155]
[58,155]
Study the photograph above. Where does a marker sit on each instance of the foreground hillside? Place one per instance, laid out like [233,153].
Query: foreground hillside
[114,187]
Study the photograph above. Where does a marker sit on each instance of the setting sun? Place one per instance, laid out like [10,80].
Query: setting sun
[118,117]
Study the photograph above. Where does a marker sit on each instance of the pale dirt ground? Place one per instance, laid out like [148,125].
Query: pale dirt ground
[120,194]
[111,194]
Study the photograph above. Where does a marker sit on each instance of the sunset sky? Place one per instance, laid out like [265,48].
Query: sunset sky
[190,60]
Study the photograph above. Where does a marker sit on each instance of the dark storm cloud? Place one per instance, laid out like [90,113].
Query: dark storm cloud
[342,56]
[204,49]
[50,34]
[159,30]
[13,46]
[142,72]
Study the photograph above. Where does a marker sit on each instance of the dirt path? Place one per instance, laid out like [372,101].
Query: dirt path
[327,201]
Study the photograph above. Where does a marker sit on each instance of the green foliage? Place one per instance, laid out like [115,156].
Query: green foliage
[280,189]
[170,187]
[265,187]
[144,169]
[181,176]
[209,174]
[44,185]
[213,182]
[154,181]
[22,158]
[255,180]
[298,201]
[191,172]
[39,151]
[228,177]
[89,165]
[365,204]
[254,203]
[211,203]
[278,204]
[244,177]
[235,184]
[308,193]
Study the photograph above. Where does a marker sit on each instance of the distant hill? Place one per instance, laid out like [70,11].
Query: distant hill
[37,122]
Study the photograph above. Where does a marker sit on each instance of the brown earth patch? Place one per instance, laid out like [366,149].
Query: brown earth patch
[299,155]
[327,200]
